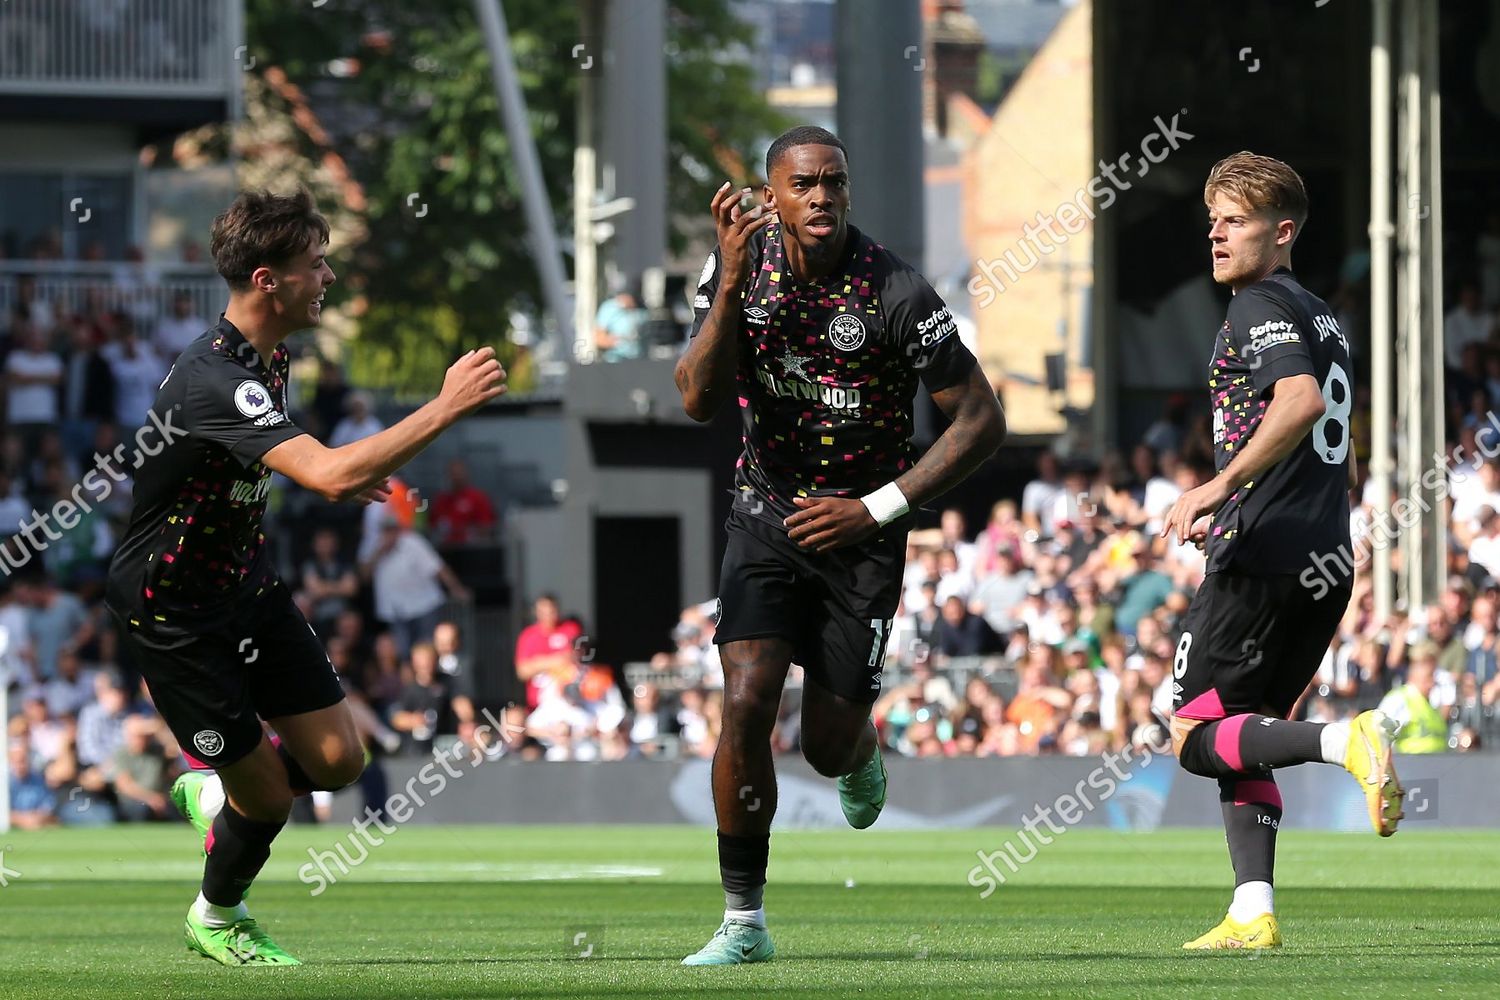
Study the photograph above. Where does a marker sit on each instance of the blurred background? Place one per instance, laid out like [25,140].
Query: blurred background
[535,175]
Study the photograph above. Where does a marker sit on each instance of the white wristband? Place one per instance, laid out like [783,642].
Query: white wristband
[885,504]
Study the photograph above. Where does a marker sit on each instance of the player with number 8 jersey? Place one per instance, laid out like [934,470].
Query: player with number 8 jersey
[1278,576]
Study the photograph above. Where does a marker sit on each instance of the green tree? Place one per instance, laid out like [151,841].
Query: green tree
[418,123]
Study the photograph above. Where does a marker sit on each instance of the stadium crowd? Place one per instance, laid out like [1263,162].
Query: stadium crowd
[1052,628]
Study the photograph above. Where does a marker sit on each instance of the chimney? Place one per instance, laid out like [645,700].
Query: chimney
[952,46]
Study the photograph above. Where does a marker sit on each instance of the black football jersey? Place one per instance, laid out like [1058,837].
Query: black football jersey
[194,544]
[1296,515]
[828,370]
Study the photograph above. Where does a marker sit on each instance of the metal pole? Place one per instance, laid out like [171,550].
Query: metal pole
[1435,525]
[1380,292]
[1408,289]
[533,191]
[585,175]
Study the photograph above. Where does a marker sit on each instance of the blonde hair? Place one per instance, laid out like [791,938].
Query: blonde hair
[1260,183]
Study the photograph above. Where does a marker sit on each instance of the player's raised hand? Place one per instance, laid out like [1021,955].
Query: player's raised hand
[735,229]
[829,523]
[472,380]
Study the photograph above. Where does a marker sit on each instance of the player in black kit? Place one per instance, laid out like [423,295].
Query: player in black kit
[821,334]
[1281,386]
[192,588]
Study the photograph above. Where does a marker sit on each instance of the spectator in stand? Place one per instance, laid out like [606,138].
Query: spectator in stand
[46,735]
[960,633]
[408,578]
[1169,431]
[1004,531]
[544,650]
[88,392]
[1040,705]
[359,421]
[141,771]
[998,595]
[1466,323]
[33,805]
[1482,642]
[330,582]
[1472,494]
[1039,499]
[955,533]
[384,675]
[1451,654]
[80,556]
[1484,548]
[14,507]
[32,374]
[461,514]
[1424,724]
[1140,591]
[180,328]
[329,395]
[56,621]
[73,687]
[101,727]
[617,328]
[139,373]
[649,721]
[37,306]
[427,707]
[451,659]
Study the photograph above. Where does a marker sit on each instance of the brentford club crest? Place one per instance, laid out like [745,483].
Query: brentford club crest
[847,332]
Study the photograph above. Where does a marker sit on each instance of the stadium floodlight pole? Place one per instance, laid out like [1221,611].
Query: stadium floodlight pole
[538,206]
[585,250]
[1381,231]
[1434,525]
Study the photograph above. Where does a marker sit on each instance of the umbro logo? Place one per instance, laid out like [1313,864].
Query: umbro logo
[757,315]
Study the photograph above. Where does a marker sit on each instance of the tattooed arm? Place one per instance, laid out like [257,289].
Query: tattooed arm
[977,428]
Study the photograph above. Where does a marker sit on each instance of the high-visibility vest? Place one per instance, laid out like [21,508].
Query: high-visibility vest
[1426,731]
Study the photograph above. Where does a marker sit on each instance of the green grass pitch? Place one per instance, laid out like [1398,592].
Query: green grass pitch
[440,912]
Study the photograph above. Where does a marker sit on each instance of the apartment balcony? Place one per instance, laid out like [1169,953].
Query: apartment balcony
[153,63]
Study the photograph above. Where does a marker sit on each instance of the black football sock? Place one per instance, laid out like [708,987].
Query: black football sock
[1252,816]
[742,869]
[1247,744]
[237,851]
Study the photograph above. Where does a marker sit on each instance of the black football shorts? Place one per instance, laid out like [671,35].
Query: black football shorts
[1251,644]
[834,607]
[213,683]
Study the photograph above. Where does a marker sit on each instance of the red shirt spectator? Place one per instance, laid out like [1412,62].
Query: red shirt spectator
[462,513]
[544,651]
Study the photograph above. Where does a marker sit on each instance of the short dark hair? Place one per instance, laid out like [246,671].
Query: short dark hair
[263,229]
[801,135]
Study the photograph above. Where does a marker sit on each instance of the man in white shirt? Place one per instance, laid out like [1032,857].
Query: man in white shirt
[360,422]
[1466,323]
[1040,495]
[138,372]
[408,577]
[1473,493]
[32,375]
